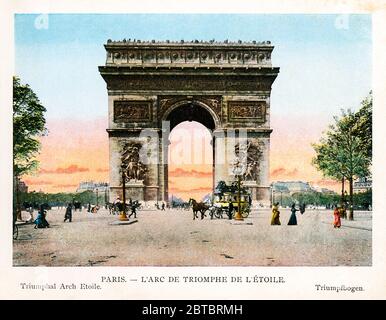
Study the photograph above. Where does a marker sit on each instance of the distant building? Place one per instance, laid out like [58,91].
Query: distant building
[323,190]
[175,199]
[291,187]
[362,185]
[20,186]
[93,186]
[207,198]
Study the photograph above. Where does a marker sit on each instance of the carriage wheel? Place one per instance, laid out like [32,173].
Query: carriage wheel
[245,214]
[218,213]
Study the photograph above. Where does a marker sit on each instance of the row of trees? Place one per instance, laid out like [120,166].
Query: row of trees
[345,150]
[62,199]
[361,200]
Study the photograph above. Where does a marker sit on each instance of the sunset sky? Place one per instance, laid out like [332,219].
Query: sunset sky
[325,63]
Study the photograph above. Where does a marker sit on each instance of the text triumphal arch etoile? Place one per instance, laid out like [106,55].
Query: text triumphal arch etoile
[154,86]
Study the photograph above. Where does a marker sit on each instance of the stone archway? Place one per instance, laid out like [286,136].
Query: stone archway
[188,110]
[226,86]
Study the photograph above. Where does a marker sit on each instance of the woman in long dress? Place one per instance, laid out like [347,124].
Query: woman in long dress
[275,220]
[337,222]
[293,221]
[41,221]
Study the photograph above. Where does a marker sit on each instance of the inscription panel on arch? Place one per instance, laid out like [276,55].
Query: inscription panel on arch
[246,111]
[132,111]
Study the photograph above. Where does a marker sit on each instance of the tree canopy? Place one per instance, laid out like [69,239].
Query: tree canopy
[28,125]
[345,149]
[363,125]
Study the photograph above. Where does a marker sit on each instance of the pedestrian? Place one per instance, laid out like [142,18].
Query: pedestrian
[68,214]
[134,206]
[230,210]
[41,221]
[30,210]
[343,210]
[163,206]
[117,205]
[293,221]
[337,222]
[302,208]
[89,207]
[275,220]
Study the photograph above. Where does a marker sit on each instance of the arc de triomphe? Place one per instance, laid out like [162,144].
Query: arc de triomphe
[154,86]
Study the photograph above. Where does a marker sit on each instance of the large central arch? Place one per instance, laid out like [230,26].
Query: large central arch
[225,86]
[189,110]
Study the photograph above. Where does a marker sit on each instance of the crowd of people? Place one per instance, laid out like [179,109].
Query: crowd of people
[41,218]
[133,205]
[339,212]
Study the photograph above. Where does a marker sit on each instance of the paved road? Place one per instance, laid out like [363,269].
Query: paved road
[172,238]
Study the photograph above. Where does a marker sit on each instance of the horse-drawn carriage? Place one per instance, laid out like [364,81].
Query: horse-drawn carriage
[226,196]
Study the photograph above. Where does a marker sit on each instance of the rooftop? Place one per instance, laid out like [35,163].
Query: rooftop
[225,43]
[134,53]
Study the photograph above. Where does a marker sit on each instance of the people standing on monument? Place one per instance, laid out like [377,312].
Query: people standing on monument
[68,214]
[292,220]
[275,220]
[337,222]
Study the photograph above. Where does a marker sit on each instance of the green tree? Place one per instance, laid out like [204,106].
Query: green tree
[28,126]
[362,126]
[340,153]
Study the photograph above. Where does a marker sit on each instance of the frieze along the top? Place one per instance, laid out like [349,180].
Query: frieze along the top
[147,53]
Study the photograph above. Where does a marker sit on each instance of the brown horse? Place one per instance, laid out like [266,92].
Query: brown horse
[198,207]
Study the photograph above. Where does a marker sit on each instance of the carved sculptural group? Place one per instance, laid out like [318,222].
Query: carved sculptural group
[133,168]
[248,155]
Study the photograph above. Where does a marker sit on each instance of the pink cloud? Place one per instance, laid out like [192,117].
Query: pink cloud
[282,172]
[201,189]
[73,168]
[65,185]
[179,172]
[30,182]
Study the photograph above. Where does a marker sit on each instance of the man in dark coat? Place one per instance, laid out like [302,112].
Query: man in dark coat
[68,214]
[230,210]
[302,208]
[134,206]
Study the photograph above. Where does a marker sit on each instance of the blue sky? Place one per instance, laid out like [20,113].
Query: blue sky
[324,65]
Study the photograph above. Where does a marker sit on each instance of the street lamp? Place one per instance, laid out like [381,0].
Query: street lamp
[123,216]
[106,197]
[238,171]
[281,198]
